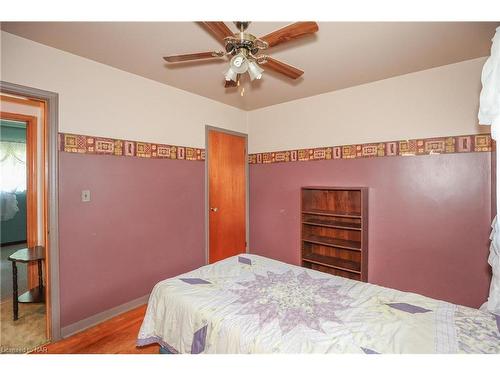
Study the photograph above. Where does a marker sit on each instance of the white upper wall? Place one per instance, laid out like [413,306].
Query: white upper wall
[96,99]
[437,102]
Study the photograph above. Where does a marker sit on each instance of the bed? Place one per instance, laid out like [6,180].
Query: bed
[252,304]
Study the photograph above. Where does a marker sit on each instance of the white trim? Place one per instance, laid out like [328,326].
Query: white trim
[102,316]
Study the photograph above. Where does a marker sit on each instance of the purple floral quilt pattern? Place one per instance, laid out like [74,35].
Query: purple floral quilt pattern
[291,299]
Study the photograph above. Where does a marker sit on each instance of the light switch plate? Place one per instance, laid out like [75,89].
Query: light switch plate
[85,195]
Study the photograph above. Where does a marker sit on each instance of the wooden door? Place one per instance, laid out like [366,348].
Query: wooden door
[227,165]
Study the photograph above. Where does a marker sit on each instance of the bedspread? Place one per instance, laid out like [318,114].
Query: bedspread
[252,304]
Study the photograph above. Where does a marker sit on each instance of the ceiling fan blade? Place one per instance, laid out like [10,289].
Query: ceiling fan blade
[192,56]
[219,29]
[293,31]
[281,67]
[232,83]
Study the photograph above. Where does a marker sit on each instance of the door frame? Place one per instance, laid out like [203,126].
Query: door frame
[51,100]
[207,192]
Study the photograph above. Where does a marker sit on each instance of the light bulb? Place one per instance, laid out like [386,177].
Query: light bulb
[254,70]
[239,63]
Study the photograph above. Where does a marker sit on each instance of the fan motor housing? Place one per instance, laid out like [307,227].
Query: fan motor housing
[241,40]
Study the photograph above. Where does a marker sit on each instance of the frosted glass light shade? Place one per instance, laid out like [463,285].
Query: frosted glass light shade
[239,63]
[230,75]
[255,71]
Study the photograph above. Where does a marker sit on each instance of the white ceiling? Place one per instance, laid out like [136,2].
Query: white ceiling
[339,55]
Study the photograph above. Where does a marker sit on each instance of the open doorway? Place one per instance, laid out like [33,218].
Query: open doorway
[24,319]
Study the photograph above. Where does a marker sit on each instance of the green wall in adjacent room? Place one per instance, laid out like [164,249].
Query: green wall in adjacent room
[12,131]
[14,230]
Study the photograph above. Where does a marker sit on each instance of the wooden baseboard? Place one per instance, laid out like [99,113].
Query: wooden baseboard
[93,320]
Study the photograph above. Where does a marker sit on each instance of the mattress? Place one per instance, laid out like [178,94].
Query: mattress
[252,304]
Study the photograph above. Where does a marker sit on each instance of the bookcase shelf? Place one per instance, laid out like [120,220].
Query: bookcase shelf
[334,235]
[333,242]
[332,213]
[321,222]
[345,265]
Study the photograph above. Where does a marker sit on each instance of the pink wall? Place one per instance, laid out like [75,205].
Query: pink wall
[145,223]
[429,218]
[429,223]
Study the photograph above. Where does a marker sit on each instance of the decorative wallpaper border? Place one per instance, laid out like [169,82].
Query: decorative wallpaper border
[412,147]
[84,144]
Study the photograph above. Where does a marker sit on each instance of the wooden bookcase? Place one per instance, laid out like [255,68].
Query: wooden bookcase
[334,235]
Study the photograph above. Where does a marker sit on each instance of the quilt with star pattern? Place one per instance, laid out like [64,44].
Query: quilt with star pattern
[252,304]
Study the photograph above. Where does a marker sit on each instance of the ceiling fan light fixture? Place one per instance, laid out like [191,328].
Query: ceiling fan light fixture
[245,50]
[239,63]
[230,75]
[254,70]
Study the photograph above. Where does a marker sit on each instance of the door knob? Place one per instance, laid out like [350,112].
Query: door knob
[214,209]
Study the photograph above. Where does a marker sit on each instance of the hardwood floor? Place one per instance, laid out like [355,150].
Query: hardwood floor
[114,336]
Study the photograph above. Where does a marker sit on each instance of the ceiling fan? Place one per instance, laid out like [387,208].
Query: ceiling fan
[245,50]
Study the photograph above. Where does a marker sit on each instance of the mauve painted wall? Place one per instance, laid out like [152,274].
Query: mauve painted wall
[145,223]
[429,218]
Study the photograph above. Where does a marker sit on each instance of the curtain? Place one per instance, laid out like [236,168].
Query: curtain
[12,177]
[12,166]
[489,114]
[8,206]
